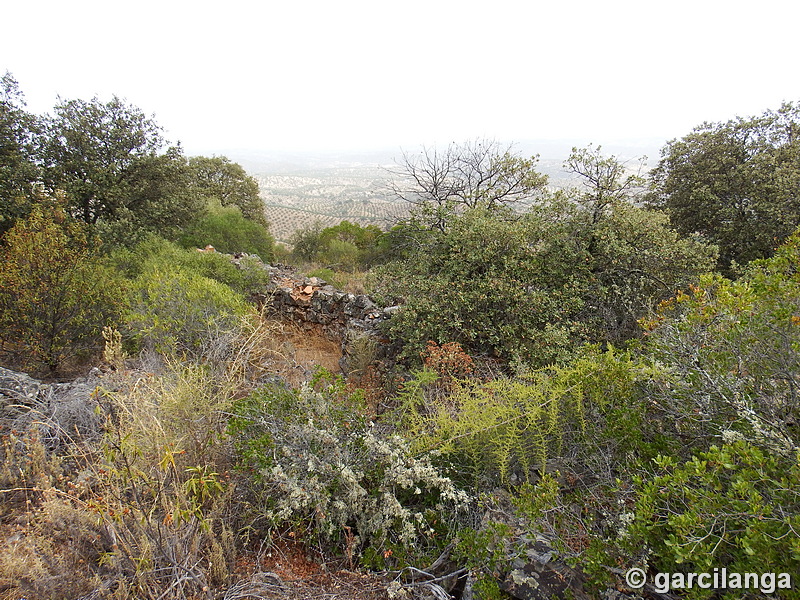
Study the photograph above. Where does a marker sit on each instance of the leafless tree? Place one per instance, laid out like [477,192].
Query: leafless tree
[476,173]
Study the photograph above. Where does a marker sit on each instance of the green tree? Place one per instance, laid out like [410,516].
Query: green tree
[603,181]
[580,266]
[217,177]
[348,246]
[18,169]
[735,183]
[54,297]
[635,260]
[158,200]
[633,255]
[306,241]
[107,158]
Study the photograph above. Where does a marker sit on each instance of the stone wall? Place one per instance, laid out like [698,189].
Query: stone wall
[316,305]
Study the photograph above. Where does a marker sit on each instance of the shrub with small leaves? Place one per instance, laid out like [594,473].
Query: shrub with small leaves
[177,312]
[733,506]
[318,463]
[55,295]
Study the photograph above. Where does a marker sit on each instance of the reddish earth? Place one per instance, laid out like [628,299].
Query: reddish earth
[302,576]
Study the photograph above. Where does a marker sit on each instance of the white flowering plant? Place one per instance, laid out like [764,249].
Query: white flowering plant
[319,465]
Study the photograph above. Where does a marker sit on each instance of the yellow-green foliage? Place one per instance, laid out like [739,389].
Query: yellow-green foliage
[510,426]
[177,312]
[55,296]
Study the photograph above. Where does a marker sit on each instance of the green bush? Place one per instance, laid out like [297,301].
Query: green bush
[534,286]
[341,255]
[343,247]
[175,312]
[323,468]
[498,284]
[733,506]
[731,351]
[157,253]
[55,295]
[228,231]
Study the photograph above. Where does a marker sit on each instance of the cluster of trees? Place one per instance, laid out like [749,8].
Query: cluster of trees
[574,266]
[112,169]
[344,247]
[81,190]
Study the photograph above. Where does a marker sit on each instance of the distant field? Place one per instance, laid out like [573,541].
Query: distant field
[284,220]
[357,194]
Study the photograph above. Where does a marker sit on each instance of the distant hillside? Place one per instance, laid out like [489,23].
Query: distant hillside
[299,189]
[328,195]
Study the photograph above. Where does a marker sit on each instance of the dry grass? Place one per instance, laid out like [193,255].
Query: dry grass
[97,501]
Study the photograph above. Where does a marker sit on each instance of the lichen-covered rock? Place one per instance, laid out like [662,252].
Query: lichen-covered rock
[60,411]
[541,576]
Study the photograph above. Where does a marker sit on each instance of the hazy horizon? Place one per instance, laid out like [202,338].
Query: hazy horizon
[356,76]
[278,161]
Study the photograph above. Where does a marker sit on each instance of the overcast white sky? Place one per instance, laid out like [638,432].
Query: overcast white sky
[329,75]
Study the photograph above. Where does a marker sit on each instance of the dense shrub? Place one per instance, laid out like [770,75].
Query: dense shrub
[225,228]
[176,312]
[55,295]
[343,247]
[157,253]
[321,467]
[732,507]
[497,284]
[732,353]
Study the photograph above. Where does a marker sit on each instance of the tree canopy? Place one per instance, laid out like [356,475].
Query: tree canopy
[217,177]
[92,150]
[18,169]
[736,183]
[580,266]
[113,169]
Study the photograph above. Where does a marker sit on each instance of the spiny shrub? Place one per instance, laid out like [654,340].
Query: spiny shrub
[320,466]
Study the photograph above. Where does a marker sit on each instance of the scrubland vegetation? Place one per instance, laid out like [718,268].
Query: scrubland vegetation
[609,370]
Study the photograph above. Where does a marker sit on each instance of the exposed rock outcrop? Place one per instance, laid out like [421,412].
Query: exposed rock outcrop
[313,303]
[60,410]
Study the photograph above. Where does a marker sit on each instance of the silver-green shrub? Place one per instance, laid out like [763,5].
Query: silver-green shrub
[323,467]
